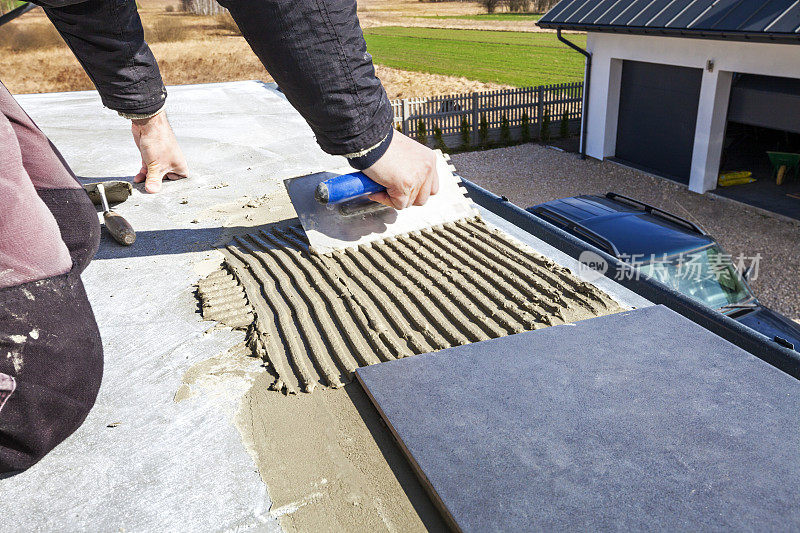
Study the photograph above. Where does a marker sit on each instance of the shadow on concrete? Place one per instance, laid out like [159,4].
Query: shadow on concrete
[85,180]
[766,194]
[95,179]
[394,457]
[176,241]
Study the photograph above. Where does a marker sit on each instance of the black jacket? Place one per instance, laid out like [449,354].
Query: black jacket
[314,49]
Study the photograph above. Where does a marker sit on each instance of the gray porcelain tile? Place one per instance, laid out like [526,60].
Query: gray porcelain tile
[640,420]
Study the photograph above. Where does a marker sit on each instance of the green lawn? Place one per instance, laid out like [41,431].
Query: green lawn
[489,16]
[513,58]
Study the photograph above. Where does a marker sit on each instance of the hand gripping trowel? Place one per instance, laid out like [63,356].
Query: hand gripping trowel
[335,213]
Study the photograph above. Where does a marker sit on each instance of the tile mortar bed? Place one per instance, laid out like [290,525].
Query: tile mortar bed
[314,318]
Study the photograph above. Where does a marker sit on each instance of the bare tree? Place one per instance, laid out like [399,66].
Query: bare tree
[519,6]
[202,7]
[490,5]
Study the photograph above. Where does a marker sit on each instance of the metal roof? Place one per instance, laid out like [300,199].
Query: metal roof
[758,20]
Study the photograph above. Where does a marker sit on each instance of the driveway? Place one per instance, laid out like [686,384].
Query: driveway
[530,174]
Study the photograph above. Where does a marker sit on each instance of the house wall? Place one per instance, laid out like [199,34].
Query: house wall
[609,50]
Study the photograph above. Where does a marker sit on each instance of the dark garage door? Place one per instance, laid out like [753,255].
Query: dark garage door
[657,117]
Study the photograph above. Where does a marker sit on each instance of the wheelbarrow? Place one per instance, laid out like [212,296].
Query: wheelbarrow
[784,164]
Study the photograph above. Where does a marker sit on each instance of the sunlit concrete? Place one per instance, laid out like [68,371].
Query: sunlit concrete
[162,465]
[144,461]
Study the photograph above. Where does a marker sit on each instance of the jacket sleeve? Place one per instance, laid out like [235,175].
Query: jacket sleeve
[107,38]
[315,51]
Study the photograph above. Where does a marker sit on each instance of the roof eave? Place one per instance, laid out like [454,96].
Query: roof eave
[777,38]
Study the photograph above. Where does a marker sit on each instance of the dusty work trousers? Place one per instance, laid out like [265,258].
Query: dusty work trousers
[51,359]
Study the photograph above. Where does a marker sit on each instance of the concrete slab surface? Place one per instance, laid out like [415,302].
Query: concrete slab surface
[143,461]
[636,421]
[162,449]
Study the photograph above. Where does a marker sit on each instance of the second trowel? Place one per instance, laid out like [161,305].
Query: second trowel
[335,213]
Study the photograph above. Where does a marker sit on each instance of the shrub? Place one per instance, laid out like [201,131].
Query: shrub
[541,6]
[70,78]
[169,9]
[439,141]
[563,128]
[422,134]
[483,131]
[544,133]
[24,37]
[167,30]
[519,5]
[490,5]
[465,132]
[526,127]
[225,22]
[505,130]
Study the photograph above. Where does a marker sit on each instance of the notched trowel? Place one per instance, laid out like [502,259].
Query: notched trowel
[336,214]
[113,191]
[116,191]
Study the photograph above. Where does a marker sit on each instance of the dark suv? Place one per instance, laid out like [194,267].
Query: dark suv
[672,250]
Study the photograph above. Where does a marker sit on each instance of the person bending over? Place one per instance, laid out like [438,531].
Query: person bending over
[52,362]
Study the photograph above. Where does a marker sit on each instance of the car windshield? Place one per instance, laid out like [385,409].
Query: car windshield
[706,275]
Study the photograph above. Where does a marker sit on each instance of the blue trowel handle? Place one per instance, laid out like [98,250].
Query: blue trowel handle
[346,187]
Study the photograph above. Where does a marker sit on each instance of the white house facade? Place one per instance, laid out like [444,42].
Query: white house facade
[718,60]
[668,77]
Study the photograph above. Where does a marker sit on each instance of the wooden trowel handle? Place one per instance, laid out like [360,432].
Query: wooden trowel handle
[119,228]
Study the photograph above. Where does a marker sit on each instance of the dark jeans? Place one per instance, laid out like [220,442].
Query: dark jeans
[51,356]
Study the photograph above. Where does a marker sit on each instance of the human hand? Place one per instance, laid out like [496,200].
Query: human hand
[161,155]
[408,171]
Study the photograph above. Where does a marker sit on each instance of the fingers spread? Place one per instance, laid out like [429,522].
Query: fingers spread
[152,183]
[180,169]
[138,178]
[161,156]
[154,177]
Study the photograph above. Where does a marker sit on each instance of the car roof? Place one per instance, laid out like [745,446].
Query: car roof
[634,230]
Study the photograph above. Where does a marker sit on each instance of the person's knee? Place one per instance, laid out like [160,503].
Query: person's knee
[50,381]
[33,422]
[77,220]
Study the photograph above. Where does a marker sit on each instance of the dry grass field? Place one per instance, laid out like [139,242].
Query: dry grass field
[199,49]
[450,15]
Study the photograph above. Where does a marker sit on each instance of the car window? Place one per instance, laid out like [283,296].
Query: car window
[706,275]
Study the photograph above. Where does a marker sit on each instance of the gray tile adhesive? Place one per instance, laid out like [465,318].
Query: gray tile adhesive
[315,318]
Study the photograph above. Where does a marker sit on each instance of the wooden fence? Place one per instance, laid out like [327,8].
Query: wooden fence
[448,112]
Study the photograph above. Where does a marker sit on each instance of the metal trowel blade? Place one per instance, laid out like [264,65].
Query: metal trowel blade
[117,191]
[329,229]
